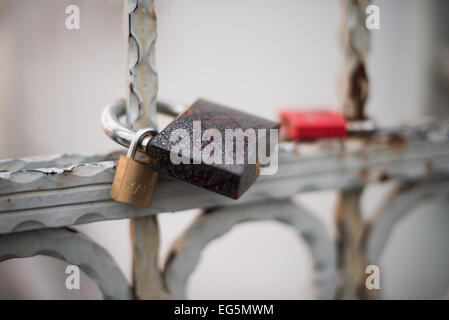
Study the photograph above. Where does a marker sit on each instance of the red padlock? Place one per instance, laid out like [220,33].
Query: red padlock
[311,124]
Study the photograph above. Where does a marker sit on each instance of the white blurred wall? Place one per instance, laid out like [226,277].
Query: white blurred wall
[255,55]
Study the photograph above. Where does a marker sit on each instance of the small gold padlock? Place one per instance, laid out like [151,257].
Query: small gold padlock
[134,182]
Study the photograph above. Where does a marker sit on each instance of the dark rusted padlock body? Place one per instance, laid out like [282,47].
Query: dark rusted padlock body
[228,179]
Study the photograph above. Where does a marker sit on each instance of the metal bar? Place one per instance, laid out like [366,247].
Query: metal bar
[141,113]
[186,251]
[74,248]
[355,44]
[350,224]
[350,227]
[143,77]
[147,278]
[53,197]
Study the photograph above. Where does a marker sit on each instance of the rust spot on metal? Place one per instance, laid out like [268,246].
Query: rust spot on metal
[365,157]
[8,200]
[429,167]
[384,176]
[395,141]
[170,257]
[358,92]
[257,168]
[153,13]
[406,186]
[151,159]
[373,139]
[364,174]
[66,173]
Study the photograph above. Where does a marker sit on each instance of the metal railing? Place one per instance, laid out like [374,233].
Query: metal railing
[40,197]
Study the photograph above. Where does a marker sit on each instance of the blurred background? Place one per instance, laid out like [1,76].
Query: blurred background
[256,55]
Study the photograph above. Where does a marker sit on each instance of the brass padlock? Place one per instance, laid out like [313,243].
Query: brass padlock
[134,182]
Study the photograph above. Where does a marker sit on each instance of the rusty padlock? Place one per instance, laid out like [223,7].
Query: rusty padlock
[134,182]
[230,177]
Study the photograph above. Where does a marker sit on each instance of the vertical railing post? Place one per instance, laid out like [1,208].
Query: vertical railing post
[350,260]
[143,78]
[355,44]
[141,112]
[349,220]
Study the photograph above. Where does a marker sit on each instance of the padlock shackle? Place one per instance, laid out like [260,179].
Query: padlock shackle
[139,136]
[118,132]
